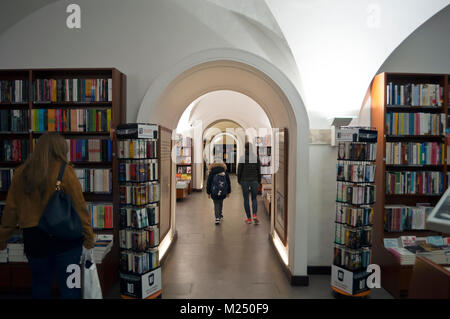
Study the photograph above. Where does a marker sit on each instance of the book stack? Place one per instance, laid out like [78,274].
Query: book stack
[14,150]
[404,256]
[355,196]
[413,94]
[14,121]
[6,175]
[95,180]
[403,153]
[72,90]
[14,91]
[71,120]
[102,246]
[415,124]
[421,183]
[101,215]
[89,150]
[139,210]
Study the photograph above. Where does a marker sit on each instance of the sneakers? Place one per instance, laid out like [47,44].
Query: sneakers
[248,220]
[217,221]
[255,219]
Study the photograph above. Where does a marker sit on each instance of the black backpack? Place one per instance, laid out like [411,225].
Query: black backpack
[219,186]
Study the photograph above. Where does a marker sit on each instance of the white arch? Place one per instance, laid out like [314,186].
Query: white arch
[299,123]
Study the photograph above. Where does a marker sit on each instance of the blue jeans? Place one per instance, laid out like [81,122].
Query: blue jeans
[247,189]
[45,268]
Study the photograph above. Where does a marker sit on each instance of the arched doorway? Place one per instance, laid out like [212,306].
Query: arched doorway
[242,72]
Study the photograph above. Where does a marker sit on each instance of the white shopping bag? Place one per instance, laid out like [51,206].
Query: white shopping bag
[91,284]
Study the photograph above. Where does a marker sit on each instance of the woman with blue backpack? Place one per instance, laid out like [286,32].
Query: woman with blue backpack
[218,187]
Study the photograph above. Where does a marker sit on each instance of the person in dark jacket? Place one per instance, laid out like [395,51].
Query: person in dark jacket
[218,187]
[249,177]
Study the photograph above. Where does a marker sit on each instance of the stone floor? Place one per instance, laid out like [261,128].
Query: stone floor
[232,259]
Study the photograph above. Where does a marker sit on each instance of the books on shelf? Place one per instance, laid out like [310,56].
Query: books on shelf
[356,134]
[102,246]
[183,142]
[71,120]
[14,91]
[139,240]
[95,180]
[414,94]
[428,153]
[14,150]
[15,121]
[264,151]
[355,172]
[352,151]
[90,150]
[419,183]
[183,151]
[399,218]
[73,90]
[138,170]
[351,237]
[355,194]
[101,215]
[137,131]
[415,124]
[140,194]
[6,175]
[133,217]
[354,216]
[139,263]
[184,170]
[351,259]
[137,149]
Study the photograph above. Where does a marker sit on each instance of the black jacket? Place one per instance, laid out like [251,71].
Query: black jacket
[249,172]
[217,168]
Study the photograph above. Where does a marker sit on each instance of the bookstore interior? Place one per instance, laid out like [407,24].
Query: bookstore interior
[357,198]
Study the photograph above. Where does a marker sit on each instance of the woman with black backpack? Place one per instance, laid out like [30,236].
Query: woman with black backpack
[218,187]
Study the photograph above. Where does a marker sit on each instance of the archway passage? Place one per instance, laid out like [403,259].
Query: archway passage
[168,97]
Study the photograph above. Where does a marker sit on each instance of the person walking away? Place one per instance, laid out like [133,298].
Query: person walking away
[31,187]
[218,187]
[249,177]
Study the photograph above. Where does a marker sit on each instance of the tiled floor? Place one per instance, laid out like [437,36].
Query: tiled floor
[230,260]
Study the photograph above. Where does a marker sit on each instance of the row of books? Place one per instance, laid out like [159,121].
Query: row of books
[351,259]
[139,240]
[184,170]
[132,217]
[139,263]
[264,151]
[137,149]
[71,120]
[101,215]
[265,160]
[355,194]
[415,123]
[14,91]
[353,238]
[184,160]
[183,177]
[399,218]
[89,150]
[356,173]
[420,183]
[352,216]
[14,150]
[95,180]
[140,194]
[423,94]
[14,120]
[353,151]
[183,142]
[183,151]
[73,90]
[6,175]
[403,153]
[138,171]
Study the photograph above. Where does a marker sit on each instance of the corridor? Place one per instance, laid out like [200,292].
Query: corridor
[229,260]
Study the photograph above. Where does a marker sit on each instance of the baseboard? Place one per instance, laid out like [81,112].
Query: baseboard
[293,280]
[174,239]
[197,190]
[319,270]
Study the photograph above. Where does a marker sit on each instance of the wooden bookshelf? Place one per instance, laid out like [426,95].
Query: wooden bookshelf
[184,145]
[19,278]
[395,277]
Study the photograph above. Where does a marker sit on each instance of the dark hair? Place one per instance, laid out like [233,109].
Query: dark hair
[50,146]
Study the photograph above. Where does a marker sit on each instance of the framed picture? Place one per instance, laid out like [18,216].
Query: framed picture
[281,184]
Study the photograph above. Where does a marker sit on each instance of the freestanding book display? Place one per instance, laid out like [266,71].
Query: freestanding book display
[354,212]
[140,272]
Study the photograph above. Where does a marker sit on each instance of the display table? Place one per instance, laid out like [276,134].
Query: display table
[429,280]
[182,190]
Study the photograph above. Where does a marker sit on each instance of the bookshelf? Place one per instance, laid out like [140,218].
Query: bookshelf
[423,117]
[52,96]
[184,153]
[139,234]
[354,212]
[264,153]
